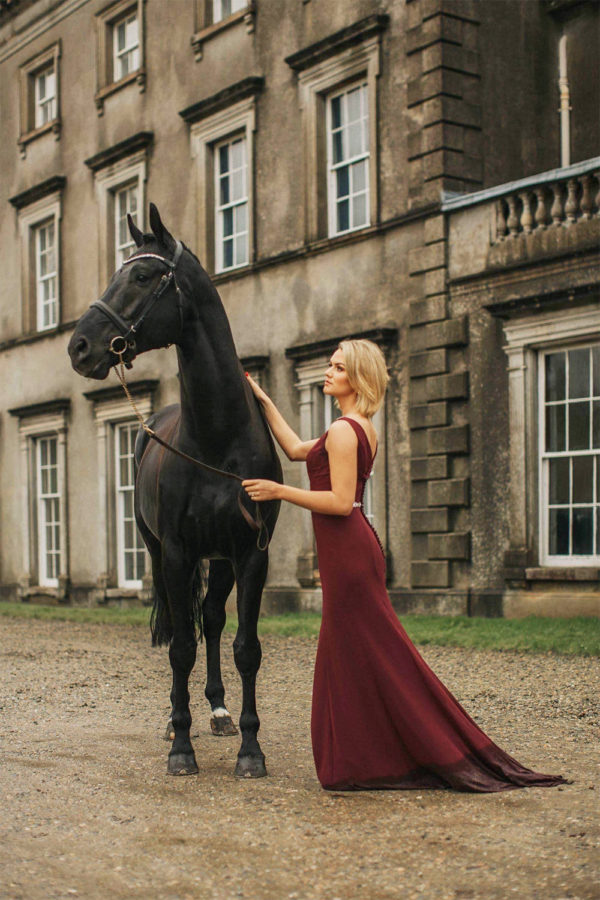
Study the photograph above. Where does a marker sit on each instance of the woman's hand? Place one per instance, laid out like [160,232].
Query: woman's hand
[258,391]
[260,489]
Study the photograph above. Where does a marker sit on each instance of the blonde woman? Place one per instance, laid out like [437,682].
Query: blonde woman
[380,717]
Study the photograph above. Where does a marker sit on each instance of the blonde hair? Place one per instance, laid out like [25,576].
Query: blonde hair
[367,374]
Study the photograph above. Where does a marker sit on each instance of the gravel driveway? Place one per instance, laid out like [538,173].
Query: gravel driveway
[89,812]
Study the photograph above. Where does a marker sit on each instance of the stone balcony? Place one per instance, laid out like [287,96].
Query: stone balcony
[548,215]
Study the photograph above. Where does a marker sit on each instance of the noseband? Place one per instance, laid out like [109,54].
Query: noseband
[125,339]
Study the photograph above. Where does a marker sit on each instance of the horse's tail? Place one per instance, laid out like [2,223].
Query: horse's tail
[161,625]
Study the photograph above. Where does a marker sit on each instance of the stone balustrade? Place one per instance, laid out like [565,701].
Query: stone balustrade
[556,199]
[558,203]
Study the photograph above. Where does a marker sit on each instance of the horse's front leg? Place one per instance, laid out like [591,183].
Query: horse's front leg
[178,579]
[251,574]
[220,583]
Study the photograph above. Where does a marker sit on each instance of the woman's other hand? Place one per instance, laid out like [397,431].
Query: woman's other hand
[260,489]
[258,391]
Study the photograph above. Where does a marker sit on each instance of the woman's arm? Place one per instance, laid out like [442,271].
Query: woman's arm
[341,445]
[286,437]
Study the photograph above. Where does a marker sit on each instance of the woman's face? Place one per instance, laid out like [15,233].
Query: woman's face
[336,378]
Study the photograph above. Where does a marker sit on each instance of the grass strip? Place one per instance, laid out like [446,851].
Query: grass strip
[534,634]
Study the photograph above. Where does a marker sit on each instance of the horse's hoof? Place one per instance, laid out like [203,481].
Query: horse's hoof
[169,732]
[182,764]
[250,767]
[222,725]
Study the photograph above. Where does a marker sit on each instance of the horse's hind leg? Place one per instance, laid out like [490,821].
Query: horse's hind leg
[251,574]
[220,583]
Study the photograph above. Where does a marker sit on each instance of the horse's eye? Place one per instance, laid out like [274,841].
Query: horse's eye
[141,278]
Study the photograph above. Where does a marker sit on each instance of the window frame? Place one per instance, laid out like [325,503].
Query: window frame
[118,55]
[41,499]
[42,279]
[222,17]
[526,338]
[333,168]
[29,73]
[120,250]
[220,208]
[315,83]
[30,218]
[206,135]
[121,549]
[107,21]
[36,424]
[544,457]
[112,410]
[109,180]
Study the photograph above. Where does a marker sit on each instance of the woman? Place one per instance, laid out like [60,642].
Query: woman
[380,717]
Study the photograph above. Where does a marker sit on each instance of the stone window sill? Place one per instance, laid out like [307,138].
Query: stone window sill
[50,127]
[205,34]
[557,573]
[139,77]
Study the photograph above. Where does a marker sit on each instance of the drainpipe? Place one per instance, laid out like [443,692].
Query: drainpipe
[565,106]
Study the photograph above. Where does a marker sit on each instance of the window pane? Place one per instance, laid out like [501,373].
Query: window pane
[338,146]
[343,216]
[240,250]
[559,532]
[583,530]
[555,428]
[237,186]
[336,112]
[596,423]
[596,370]
[237,154]
[227,222]
[343,182]
[359,177]
[241,218]
[355,147]
[359,210]
[583,479]
[555,376]
[559,481]
[579,373]
[228,253]
[579,426]
[225,190]
[224,159]
[353,104]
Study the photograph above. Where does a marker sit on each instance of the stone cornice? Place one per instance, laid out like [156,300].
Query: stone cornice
[115,392]
[130,145]
[43,189]
[60,405]
[383,336]
[575,296]
[248,87]
[335,43]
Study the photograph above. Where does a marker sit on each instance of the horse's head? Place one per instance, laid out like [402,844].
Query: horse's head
[140,310]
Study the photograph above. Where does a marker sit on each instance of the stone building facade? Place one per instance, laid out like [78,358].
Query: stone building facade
[421,172]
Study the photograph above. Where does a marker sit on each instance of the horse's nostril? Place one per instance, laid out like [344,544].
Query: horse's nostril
[81,348]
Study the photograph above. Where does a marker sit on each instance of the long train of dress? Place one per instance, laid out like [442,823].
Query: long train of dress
[380,716]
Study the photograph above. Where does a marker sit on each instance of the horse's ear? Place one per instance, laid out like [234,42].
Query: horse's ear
[158,229]
[135,232]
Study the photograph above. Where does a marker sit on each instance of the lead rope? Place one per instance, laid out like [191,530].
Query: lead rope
[258,523]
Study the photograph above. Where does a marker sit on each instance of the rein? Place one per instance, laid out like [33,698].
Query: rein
[124,341]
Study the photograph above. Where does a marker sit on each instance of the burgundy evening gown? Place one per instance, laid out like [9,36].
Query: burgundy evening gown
[380,717]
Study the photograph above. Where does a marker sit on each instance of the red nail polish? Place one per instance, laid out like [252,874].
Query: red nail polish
[247,374]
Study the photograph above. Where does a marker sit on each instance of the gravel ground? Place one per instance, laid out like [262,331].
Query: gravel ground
[89,812]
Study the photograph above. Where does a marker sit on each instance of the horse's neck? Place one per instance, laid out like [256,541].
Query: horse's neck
[213,400]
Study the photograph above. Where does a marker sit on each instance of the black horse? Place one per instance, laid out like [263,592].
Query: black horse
[186,515]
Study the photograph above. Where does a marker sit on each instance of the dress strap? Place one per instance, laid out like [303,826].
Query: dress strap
[359,430]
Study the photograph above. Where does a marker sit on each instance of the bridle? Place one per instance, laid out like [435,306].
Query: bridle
[120,343]
[126,338]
